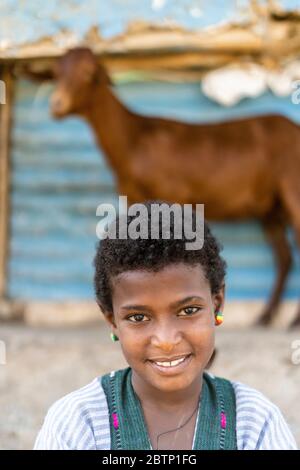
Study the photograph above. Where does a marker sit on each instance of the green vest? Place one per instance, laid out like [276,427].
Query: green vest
[216,421]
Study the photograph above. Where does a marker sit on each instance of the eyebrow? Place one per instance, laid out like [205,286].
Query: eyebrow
[173,305]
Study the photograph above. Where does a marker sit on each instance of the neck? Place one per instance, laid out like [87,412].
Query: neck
[113,124]
[167,401]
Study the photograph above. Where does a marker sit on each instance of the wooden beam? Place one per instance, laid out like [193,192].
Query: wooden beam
[5,133]
[265,32]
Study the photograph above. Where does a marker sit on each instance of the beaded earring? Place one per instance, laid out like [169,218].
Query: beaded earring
[114,337]
[219,318]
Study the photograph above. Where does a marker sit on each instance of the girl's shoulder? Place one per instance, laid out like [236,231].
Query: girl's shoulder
[79,420]
[259,422]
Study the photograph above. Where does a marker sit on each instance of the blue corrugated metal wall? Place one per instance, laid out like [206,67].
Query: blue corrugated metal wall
[59,177]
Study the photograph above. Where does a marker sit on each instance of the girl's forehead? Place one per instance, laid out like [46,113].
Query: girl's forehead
[179,278]
[180,271]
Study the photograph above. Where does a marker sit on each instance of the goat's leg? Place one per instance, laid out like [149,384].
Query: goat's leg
[296,321]
[291,198]
[274,229]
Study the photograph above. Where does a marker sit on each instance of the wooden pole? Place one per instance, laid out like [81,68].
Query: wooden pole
[5,134]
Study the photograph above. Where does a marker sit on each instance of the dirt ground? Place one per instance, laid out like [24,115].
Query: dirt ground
[43,364]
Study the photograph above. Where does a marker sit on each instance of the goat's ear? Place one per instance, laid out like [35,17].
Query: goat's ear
[102,76]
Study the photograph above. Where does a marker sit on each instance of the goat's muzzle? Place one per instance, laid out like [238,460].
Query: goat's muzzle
[59,105]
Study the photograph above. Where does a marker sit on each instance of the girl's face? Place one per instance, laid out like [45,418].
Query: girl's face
[162,315]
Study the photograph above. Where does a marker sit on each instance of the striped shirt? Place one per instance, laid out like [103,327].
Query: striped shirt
[80,420]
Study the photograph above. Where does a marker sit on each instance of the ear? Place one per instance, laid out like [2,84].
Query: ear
[102,76]
[108,316]
[219,300]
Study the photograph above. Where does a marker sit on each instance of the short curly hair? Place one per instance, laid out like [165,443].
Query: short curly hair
[116,255]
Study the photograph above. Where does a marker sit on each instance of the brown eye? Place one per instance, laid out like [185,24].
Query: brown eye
[191,310]
[138,317]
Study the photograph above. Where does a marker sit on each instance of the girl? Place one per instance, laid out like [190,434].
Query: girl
[162,302]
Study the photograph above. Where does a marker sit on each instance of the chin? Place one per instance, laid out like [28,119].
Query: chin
[58,116]
[173,384]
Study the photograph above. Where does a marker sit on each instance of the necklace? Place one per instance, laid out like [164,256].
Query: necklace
[176,429]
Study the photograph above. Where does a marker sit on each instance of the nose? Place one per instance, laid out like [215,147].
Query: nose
[58,104]
[55,102]
[166,337]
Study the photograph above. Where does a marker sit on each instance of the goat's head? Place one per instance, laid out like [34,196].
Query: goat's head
[77,74]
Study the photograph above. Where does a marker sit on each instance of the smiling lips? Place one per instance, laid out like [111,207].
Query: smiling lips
[171,366]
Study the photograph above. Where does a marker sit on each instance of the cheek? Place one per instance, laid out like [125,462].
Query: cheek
[133,344]
[204,339]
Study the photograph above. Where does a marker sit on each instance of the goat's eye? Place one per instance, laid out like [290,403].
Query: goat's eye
[87,76]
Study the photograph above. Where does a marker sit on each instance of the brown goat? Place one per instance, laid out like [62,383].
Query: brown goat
[243,169]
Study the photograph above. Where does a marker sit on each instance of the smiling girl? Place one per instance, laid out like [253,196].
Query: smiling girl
[163,303]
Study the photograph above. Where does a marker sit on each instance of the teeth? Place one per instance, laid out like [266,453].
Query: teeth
[170,364]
